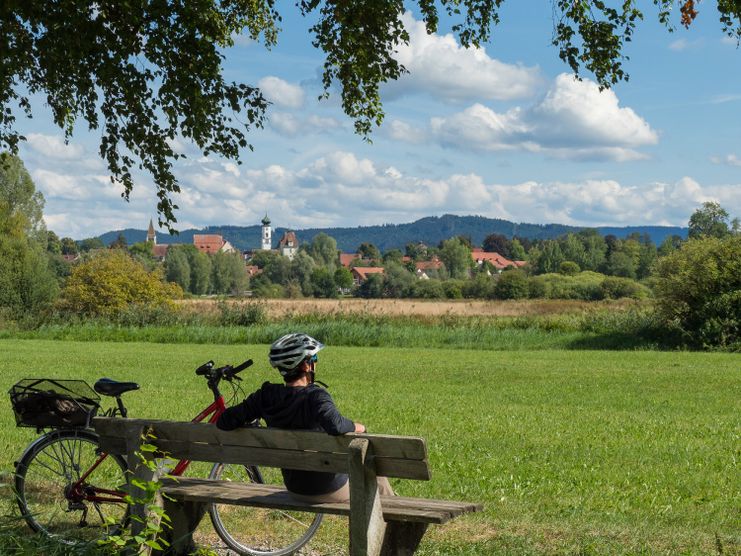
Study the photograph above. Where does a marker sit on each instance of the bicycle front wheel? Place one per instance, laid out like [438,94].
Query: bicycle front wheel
[258,531]
[54,501]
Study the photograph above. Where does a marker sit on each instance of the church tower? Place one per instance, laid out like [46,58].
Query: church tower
[267,241]
[151,235]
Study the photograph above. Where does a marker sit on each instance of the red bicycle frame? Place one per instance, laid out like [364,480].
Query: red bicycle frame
[80,491]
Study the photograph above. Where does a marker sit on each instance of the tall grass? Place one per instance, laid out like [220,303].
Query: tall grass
[632,328]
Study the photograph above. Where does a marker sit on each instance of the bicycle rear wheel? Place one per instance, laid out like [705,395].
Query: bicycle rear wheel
[44,481]
[258,531]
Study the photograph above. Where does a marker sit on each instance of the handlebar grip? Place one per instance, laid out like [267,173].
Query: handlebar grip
[242,367]
[205,368]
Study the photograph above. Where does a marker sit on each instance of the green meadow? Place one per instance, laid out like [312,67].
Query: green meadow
[571,452]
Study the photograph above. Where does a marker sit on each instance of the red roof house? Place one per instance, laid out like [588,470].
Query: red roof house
[360,273]
[211,243]
[497,261]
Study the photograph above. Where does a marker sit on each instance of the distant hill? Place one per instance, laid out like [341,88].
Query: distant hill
[430,230]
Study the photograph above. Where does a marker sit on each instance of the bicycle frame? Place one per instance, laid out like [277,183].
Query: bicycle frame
[78,491]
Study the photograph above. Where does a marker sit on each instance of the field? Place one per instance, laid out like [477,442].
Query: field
[420,308]
[572,452]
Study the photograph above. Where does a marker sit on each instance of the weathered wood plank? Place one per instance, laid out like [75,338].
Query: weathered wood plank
[395,508]
[307,460]
[367,527]
[403,447]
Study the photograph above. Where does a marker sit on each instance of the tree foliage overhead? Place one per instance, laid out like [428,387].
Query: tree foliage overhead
[149,72]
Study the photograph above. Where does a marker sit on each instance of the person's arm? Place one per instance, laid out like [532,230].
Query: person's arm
[240,414]
[329,417]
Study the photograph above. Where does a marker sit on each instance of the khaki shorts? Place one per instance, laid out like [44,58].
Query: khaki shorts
[343,494]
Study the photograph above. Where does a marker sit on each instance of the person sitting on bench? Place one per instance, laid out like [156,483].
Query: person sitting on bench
[299,404]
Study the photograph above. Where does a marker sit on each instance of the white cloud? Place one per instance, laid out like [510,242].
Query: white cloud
[574,120]
[343,189]
[681,45]
[403,131]
[281,92]
[729,159]
[53,146]
[730,41]
[440,67]
[722,99]
[291,125]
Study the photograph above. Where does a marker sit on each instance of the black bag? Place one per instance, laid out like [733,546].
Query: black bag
[48,403]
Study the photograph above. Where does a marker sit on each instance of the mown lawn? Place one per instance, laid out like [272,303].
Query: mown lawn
[572,452]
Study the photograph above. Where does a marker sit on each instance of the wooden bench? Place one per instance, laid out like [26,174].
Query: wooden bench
[391,525]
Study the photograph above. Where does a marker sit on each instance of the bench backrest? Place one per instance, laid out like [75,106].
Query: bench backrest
[392,456]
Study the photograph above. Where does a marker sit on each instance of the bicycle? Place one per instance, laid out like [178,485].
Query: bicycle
[63,474]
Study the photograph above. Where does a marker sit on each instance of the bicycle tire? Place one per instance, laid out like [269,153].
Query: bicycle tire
[252,531]
[47,469]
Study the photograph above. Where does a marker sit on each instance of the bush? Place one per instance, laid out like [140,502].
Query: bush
[242,314]
[453,289]
[614,287]
[569,268]
[584,286]
[111,282]
[480,286]
[698,290]
[512,284]
[269,290]
[428,289]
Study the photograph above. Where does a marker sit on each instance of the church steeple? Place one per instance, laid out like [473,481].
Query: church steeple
[151,234]
[267,241]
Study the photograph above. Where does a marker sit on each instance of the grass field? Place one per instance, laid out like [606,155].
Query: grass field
[571,452]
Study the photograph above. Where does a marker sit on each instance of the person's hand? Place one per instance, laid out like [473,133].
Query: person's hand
[360,428]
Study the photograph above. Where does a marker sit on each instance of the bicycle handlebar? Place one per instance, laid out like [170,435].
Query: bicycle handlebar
[205,368]
[227,372]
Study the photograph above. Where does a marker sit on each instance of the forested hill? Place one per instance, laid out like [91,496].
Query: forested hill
[430,230]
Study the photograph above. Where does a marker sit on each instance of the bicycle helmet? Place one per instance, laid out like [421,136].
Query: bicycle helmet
[287,352]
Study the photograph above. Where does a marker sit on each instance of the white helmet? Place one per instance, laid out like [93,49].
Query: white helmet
[287,352]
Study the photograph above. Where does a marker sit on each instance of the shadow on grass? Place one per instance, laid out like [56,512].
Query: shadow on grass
[618,341]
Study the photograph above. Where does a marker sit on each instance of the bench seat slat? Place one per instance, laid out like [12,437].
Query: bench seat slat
[406,447]
[395,508]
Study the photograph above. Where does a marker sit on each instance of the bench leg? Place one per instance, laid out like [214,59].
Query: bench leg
[184,519]
[402,538]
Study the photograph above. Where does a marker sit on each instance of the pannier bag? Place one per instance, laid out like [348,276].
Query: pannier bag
[49,403]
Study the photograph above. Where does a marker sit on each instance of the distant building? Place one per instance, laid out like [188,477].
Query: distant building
[160,251]
[288,245]
[211,243]
[495,259]
[267,241]
[360,273]
[151,234]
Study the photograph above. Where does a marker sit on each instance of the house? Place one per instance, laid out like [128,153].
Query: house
[495,259]
[252,270]
[422,268]
[159,252]
[288,245]
[211,243]
[360,273]
[346,259]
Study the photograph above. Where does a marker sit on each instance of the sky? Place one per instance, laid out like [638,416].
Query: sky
[504,131]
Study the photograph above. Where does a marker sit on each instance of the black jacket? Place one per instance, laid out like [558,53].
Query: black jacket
[303,408]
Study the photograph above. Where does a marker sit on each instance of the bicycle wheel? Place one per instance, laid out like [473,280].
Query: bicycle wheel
[259,531]
[44,482]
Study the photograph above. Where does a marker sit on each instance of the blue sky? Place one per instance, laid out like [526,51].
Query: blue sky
[503,132]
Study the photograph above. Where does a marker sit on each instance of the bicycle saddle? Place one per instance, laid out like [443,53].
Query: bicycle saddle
[110,387]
